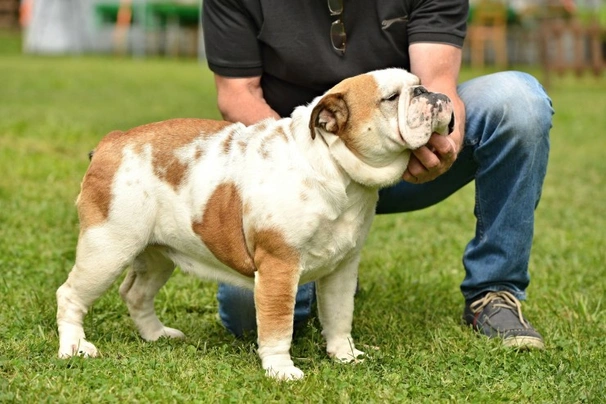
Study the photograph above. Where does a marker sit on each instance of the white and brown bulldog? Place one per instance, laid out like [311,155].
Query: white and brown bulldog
[268,207]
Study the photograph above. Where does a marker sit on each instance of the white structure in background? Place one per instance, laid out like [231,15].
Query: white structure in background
[71,27]
[59,27]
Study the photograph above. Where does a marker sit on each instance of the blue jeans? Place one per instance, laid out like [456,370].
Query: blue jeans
[505,151]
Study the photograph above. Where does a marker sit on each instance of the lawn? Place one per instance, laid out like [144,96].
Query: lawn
[53,110]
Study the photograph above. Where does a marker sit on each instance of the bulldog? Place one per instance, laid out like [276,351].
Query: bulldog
[268,207]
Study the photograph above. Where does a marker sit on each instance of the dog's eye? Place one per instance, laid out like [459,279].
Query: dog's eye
[392,97]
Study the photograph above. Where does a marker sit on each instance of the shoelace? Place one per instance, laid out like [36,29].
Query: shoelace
[508,301]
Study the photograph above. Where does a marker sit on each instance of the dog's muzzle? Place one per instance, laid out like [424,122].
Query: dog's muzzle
[437,100]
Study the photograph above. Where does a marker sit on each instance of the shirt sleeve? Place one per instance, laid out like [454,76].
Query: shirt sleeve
[438,21]
[230,38]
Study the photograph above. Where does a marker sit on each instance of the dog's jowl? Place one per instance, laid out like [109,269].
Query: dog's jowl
[268,207]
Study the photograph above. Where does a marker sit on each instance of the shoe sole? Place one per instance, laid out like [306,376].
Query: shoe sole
[524,343]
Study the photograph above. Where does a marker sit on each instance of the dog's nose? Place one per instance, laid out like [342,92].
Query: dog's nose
[419,90]
[451,124]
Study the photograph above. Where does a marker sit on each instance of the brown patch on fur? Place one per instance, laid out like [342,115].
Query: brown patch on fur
[165,137]
[277,134]
[307,183]
[264,150]
[362,97]
[275,285]
[357,96]
[95,197]
[261,126]
[280,133]
[242,145]
[227,142]
[221,229]
[199,153]
[95,194]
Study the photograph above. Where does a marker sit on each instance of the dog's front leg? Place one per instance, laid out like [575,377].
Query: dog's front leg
[335,294]
[276,281]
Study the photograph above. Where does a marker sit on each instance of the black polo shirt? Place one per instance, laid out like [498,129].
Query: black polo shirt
[287,42]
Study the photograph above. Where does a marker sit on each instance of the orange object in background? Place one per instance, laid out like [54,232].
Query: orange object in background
[123,20]
[25,12]
[125,14]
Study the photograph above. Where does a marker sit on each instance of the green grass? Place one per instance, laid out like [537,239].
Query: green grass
[53,110]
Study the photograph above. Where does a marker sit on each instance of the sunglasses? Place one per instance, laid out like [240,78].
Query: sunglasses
[337,28]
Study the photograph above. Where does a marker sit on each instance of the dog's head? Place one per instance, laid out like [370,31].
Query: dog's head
[371,122]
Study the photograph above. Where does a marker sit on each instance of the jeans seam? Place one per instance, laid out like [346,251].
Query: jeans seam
[477,202]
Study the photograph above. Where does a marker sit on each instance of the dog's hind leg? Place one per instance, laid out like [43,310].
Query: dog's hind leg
[100,259]
[149,272]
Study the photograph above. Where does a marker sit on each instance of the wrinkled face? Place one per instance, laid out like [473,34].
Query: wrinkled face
[380,116]
[412,110]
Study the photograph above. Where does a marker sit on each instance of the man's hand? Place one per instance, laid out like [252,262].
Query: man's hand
[432,160]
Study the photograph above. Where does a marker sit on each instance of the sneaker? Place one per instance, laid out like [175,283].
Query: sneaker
[499,315]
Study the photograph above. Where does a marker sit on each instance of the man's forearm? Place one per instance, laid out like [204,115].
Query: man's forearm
[246,109]
[241,100]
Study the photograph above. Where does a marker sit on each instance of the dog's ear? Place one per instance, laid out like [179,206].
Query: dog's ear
[330,114]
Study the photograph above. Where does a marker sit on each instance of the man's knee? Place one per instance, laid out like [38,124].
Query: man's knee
[513,101]
[526,100]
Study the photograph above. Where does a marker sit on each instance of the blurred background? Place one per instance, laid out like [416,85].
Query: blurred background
[74,70]
[558,35]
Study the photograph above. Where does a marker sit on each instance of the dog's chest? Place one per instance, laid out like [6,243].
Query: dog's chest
[333,242]
[326,228]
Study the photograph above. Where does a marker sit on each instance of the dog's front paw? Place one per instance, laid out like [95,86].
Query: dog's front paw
[280,367]
[345,352]
[286,373]
[162,332]
[351,355]
[77,348]
[172,333]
